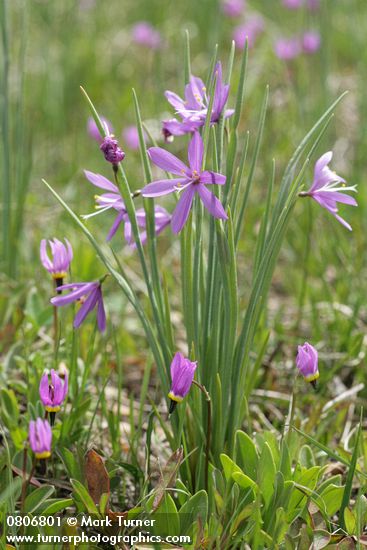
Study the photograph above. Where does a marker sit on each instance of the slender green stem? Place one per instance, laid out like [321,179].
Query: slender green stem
[208,431]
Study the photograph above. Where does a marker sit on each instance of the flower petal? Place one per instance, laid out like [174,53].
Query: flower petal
[196,152]
[212,177]
[168,162]
[162,187]
[81,290]
[211,203]
[101,314]
[116,224]
[100,181]
[182,209]
[86,308]
[176,101]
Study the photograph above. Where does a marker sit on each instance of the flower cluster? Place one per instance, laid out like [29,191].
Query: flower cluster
[308,42]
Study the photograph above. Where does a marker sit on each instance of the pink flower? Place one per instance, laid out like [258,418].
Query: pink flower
[248,31]
[93,130]
[311,41]
[131,137]
[292,4]
[233,8]
[182,375]
[145,34]
[287,48]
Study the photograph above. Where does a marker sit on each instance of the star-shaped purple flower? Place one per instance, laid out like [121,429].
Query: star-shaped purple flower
[90,296]
[113,200]
[194,107]
[328,189]
[192,180]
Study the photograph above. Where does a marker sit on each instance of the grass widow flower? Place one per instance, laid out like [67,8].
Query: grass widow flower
[194,107]
[113,200]
[182,375]
[52,395]
[61,258]
[192,180]
[307,363]
[248,32]
[145,34]
[40,438]
[89,295]
[328,189]
[311,42]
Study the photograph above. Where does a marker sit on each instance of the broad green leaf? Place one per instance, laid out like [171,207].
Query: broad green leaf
[350,521]
[37,497]
[332,497]
[83,495]
[194,509]
[266,474]
[54,505]
[246,454]
[167,521]
[244,481]
[229,467]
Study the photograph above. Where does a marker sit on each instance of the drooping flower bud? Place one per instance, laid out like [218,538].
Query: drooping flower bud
[182,375]
[307,363]
[40,438]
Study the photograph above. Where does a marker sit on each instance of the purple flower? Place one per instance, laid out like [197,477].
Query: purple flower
[194,107]
[93,129]
[145,34]
[248,31]
[89,295]
[307,362]
[292,4]
[313,5]
[40,437]
[182,375]
[311,41]
[52,395]
[233,8]
[113,200]
[61,257]
[192,180]
[327,189]
[288,48]
[111,150]
[131,137]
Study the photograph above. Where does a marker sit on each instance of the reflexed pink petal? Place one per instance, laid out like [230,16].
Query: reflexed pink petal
[174,100]
[44,256]
[44,390]
[167,161]
[182,209]
[320,164]
[116,224]
[81,290]
[211,203]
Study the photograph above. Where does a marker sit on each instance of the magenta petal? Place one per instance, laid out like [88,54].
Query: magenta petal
[115,226]
[167,161]
[343,222]
[162,187]
[211,203]
[338,197]
[101,315]
[44,256]
[86,308]
[182,209]
[175,100]
[212,177]
[195,152]
[322,162]
[101,181]
[82,290]
[44,390]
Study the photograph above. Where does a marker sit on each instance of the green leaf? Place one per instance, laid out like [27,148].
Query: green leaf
[349,521]
[167,521]
[54,505]
[83,495]
[350,475]
[244,481]
[266,474]
[37,498]
[229,467]
[194,509]
[246,454]
[332,497]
